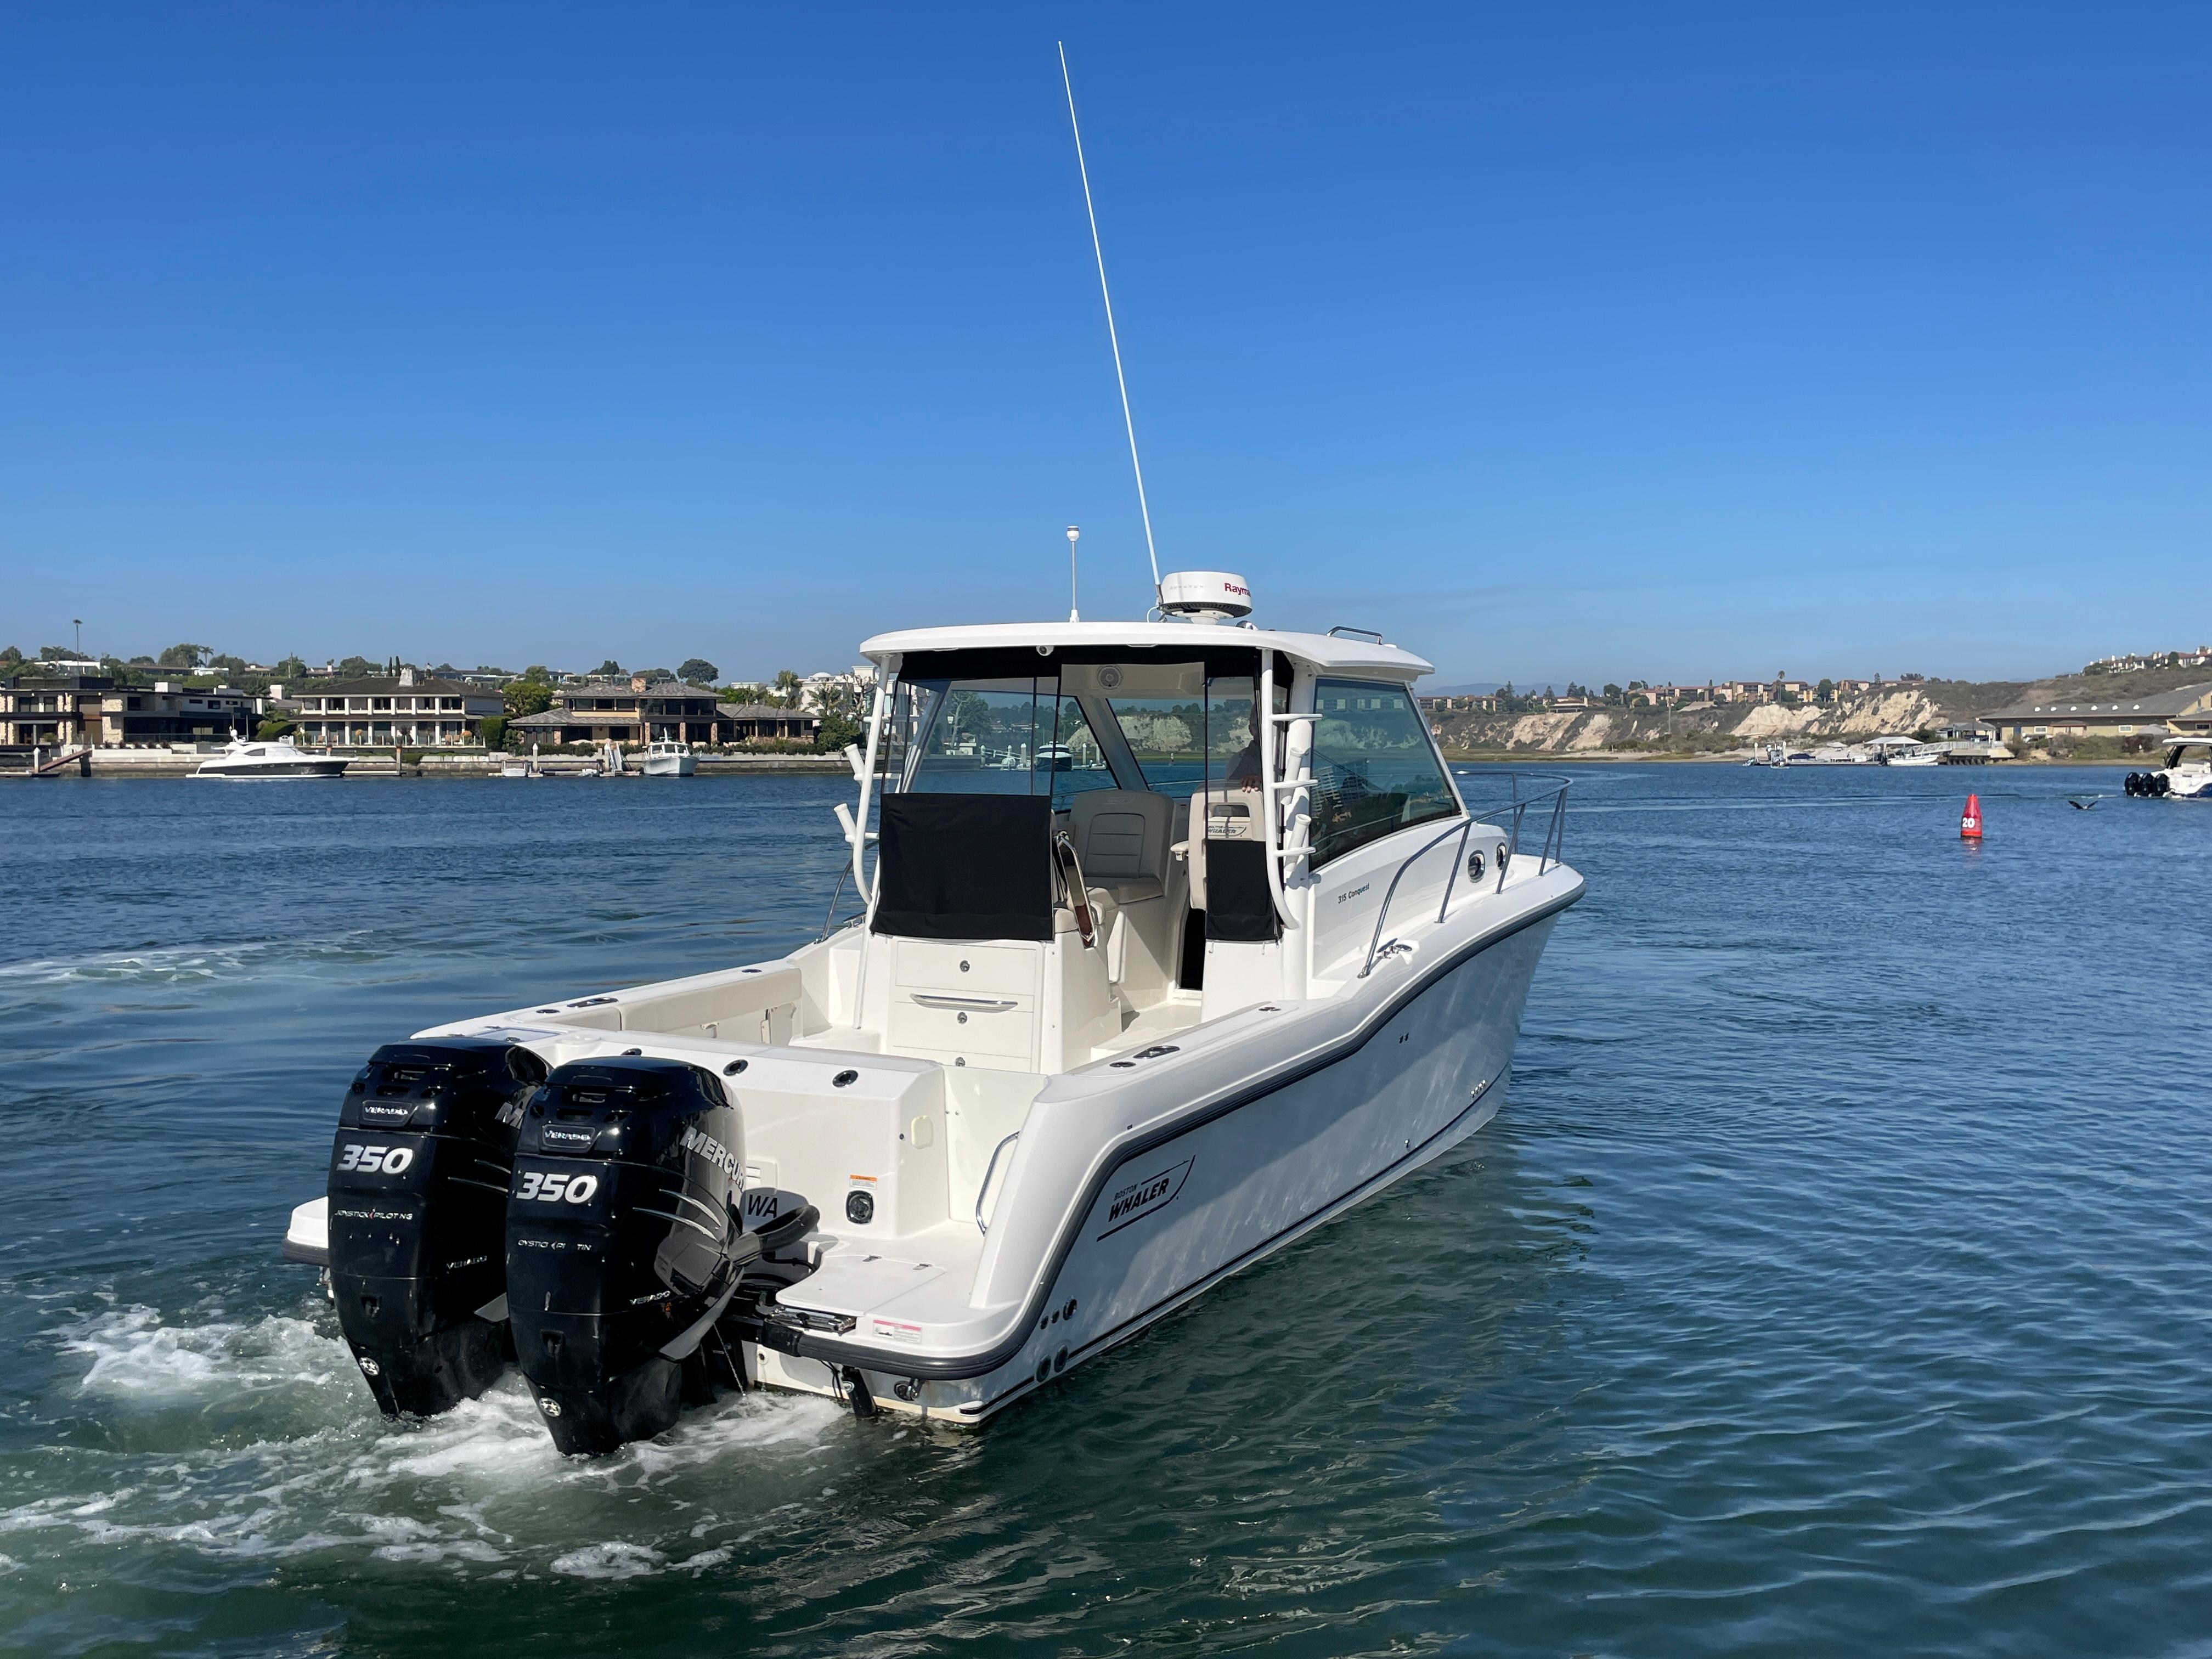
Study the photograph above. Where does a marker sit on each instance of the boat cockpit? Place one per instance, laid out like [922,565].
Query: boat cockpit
[1083,845]
[1074,841]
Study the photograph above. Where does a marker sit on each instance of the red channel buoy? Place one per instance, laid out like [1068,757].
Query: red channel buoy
[1970,821]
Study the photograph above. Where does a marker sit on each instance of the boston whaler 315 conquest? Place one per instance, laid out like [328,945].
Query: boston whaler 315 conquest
[1220,954]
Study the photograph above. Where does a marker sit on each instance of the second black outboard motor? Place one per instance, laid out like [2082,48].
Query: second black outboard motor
[418,1215]
[623,1244]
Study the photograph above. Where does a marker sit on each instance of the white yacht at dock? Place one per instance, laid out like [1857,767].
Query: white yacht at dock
[271,758]
[666,758]
[1225,954]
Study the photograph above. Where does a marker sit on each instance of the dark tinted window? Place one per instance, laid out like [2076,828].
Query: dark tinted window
[1375,770]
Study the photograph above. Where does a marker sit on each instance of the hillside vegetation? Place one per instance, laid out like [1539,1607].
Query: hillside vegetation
[1920,706]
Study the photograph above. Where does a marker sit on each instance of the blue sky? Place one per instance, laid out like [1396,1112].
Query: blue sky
[1556,342]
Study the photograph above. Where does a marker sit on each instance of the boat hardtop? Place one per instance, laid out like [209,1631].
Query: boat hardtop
[1347,651]
[1169,941]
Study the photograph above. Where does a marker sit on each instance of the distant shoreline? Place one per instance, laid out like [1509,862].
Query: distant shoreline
[1607,757]
[381,766]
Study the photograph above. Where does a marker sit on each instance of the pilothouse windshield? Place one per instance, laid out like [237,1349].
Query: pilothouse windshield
[1165,728]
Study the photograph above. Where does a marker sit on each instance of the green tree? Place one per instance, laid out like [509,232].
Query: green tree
[1824,691]
[526,697]
[183,656]
[836,732]
[786,688]
[292,668]
[739,694]
[274,726]
[609,667]
[697,671]
[355,668]
[10,656]
[229,665]
[492,728]
[539,674]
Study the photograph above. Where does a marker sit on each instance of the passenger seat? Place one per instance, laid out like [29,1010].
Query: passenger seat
[1122,837]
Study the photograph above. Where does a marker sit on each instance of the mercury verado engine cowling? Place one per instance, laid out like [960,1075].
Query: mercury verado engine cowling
[623,1242]
[418,1214]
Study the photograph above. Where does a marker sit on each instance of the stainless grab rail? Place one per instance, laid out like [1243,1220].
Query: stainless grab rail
[1367,633]
[1462,829]
[990,1170]
[830,924]
[1553,846]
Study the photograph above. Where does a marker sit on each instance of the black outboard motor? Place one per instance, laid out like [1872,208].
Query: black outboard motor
[418,1215]
[623,1245]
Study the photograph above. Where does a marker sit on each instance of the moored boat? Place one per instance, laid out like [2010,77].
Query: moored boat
[273,758]
[666,759]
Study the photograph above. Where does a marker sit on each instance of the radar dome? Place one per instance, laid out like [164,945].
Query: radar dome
[1206,596]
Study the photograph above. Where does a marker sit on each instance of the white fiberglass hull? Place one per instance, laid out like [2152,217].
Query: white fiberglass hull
[243,770]
[670,766]
[1274,1132]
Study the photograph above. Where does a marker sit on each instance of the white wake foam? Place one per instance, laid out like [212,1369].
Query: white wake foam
[135,1354]
[479,1488]
[614,1559]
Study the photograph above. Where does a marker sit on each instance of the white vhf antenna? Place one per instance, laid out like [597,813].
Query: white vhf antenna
[1113,338]
[1073,534]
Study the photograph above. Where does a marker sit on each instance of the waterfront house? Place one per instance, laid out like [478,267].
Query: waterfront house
[615,711]
[820,693]
[665,710]
[757,722]
[382,711]
[172,712]
[2102,717]
[46,706]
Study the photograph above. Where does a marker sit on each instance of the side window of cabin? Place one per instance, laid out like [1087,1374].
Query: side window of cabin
[1374,770]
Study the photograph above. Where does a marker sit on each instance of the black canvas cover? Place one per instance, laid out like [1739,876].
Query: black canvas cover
[965,867]
[1239,908]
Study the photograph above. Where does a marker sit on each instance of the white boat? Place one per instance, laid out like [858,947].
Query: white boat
[1897,749]
[517,768]
[274,757]
[1096,1039]
[2181,777]
[669,760]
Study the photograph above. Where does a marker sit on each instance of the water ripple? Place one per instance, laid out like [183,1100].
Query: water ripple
[1832,1282]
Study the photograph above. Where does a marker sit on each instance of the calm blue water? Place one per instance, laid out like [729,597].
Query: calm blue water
[1833,1283]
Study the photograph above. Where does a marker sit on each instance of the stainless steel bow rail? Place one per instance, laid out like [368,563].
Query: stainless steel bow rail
[1521,797]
